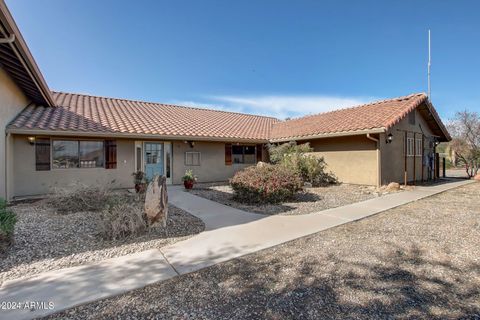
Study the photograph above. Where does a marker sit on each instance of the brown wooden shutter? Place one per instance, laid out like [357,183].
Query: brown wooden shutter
[110,154]
[42,154]
[228,154]
[259,152]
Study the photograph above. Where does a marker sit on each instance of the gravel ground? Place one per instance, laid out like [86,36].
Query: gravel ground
[309,201]
[421,260]
[46,241]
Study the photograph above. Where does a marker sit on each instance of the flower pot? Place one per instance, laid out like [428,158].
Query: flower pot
[188,184]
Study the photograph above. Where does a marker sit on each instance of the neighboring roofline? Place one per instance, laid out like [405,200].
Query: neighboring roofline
[330,135]
[19,46]
[125,135]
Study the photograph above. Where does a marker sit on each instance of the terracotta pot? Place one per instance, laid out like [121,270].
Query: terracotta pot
[188,184]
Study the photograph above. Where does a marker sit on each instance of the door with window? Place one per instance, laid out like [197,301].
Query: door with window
[154,162]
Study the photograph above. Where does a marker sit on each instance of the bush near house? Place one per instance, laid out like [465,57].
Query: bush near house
[122,218]
[311,169]
[7,225]
[79,198]
[265,184]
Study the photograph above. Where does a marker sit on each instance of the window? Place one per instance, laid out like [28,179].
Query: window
[91,154]
[42,154]
[418,147]
[192,158]
[77,154]
[243,154]
[410,149]
[65,154]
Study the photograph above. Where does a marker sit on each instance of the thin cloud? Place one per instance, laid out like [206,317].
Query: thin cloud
[277,105]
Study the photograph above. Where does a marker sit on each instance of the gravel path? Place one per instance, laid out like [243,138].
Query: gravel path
[421,260]
[309,201]
[46,241]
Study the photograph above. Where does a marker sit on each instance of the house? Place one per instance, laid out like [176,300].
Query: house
[54,139]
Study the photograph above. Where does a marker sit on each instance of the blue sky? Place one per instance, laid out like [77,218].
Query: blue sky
[280,58]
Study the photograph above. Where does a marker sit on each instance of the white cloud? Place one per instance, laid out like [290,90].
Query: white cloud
[279,106]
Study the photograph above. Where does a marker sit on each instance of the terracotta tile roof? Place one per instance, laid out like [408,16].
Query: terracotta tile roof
[78,113]
[91,114]
[379,115]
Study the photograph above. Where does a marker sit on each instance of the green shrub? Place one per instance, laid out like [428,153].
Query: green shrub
[265,184]
[278,152]
[122,218]
[311,169]
[79,198]
[7,225]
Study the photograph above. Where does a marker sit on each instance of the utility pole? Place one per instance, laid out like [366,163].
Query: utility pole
[429,67]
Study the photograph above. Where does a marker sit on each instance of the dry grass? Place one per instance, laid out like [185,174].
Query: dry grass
[79,198]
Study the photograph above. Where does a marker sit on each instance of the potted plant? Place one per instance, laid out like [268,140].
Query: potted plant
[189,179]
[140,181]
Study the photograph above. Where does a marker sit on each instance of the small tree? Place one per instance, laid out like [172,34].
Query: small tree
[465,144]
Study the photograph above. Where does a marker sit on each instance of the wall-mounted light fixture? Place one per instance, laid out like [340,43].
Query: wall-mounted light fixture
[191,143]
[389,138]
[31,140]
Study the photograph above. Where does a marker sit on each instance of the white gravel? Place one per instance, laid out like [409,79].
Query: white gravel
[45,240]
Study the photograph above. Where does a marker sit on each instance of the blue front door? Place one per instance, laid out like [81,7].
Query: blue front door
[153,159]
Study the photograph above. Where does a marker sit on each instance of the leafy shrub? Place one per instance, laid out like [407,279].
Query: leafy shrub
[7,225]
[79,198]
[121,219]
[266,183]
[311,169]
[278,152]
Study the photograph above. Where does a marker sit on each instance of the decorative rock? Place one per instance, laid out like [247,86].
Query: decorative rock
[392,186]
[156,201]
[261,164]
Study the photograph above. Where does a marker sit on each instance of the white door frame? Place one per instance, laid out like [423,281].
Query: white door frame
[167,147]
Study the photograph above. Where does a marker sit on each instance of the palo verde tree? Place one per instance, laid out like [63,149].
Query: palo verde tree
[465,144]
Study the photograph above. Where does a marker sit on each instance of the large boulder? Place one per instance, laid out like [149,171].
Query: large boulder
[156,201]
[392,187]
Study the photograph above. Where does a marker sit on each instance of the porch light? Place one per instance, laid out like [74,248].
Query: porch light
[389,138]
[31,140]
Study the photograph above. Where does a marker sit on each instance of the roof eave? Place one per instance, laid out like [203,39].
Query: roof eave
[24,55]
[124,135]
[330,135]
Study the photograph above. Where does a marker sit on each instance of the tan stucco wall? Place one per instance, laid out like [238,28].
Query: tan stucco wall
[352,159]
[28,181]
[212,165]
[12,101]
[393,154]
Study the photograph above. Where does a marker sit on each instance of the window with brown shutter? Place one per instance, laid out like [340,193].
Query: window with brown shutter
[259,152]
[110,154]
[228,154]
[42,154]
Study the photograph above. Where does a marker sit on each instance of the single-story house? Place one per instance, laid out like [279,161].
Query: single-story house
[55,139]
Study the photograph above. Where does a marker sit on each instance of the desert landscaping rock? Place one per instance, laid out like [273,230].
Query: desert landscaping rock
[45,240]
[309,201]
[417,261]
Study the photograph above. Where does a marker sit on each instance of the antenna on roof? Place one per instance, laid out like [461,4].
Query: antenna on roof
[429,66]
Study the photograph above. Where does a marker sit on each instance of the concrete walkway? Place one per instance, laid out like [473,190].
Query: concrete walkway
[230,233]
